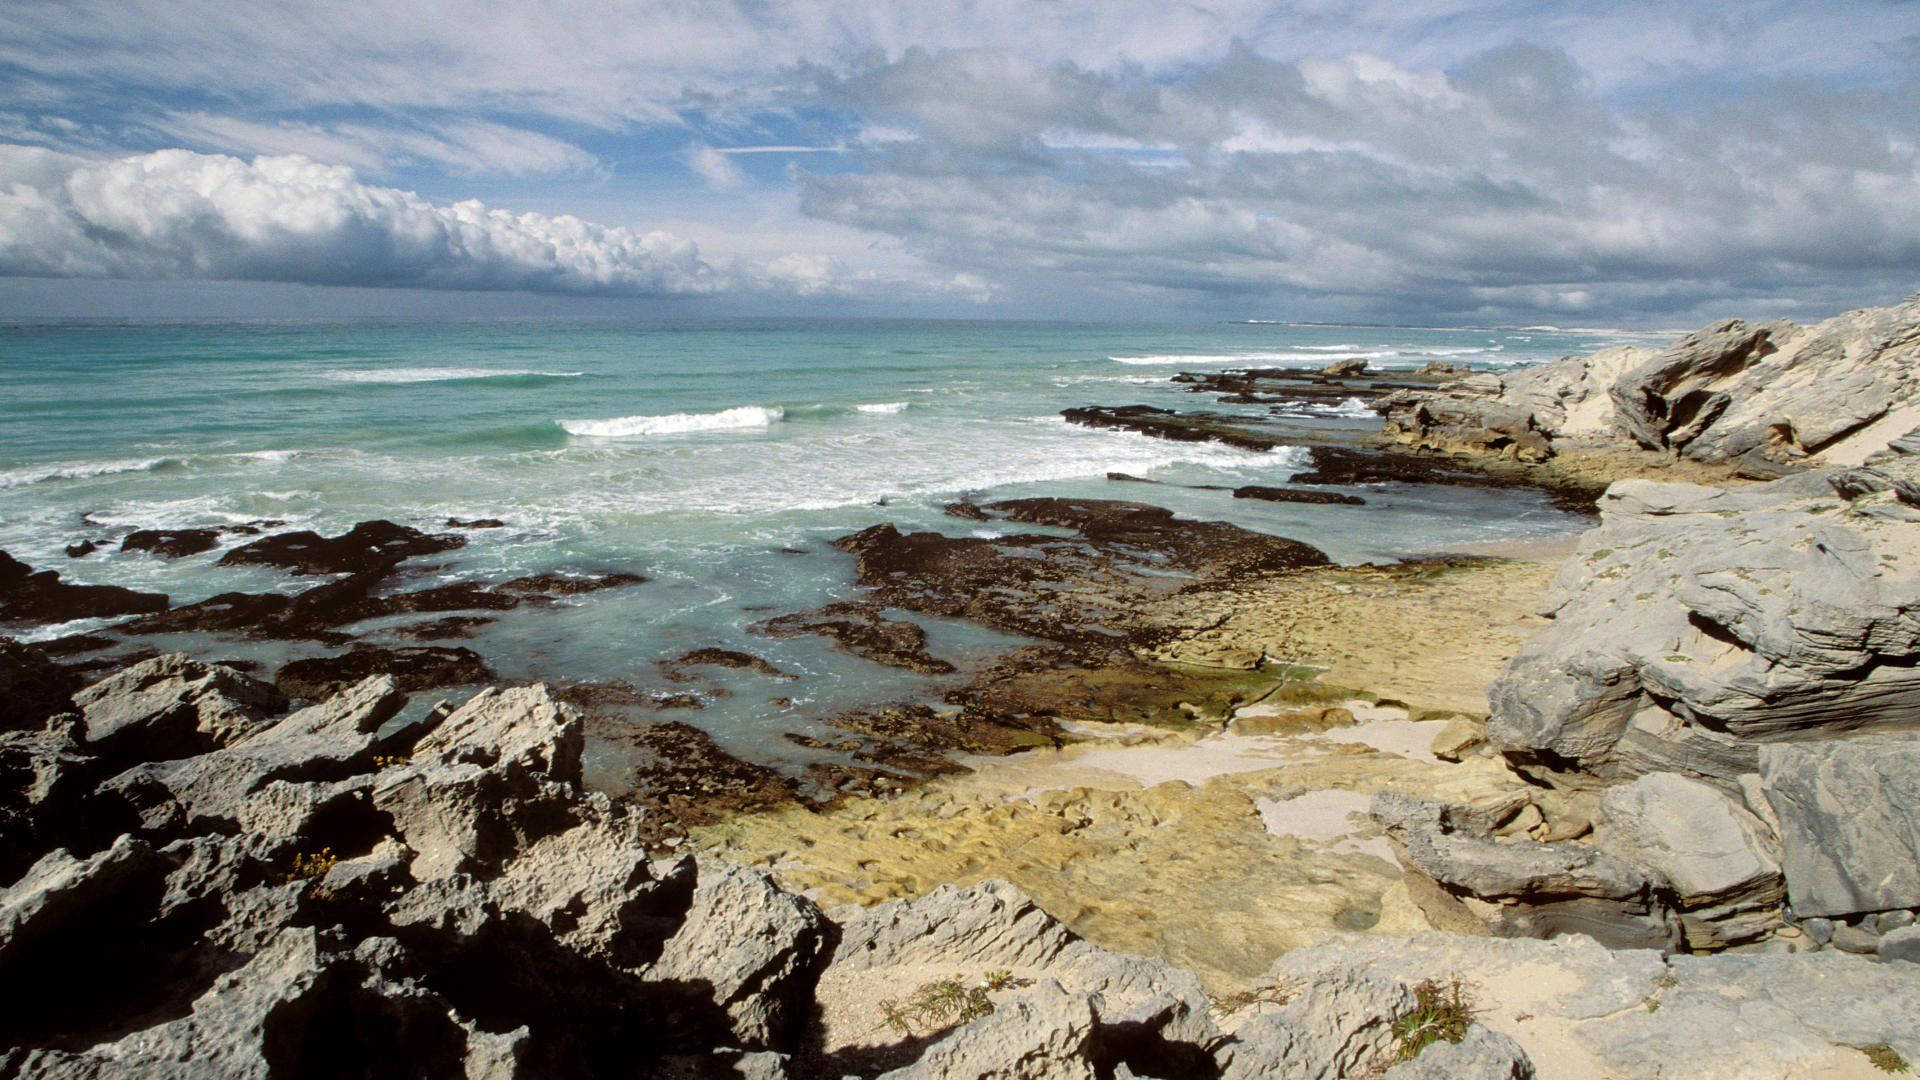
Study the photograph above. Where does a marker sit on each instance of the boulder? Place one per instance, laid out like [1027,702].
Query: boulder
[752,950]
[1849,813]
[1464,878]
[496,775]
[1696,624]
[1901,944]
[1721,860]
[173,706]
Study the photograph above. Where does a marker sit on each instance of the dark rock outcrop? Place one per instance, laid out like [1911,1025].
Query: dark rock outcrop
[1296,495]
[40,596]
[171,543]
[367,547]
[863,630]
[417,667]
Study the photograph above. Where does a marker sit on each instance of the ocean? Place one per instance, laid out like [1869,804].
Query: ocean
[716,458]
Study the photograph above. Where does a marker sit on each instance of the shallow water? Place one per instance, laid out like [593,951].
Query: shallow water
[718,459]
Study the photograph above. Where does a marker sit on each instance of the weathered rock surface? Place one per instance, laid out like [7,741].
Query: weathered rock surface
[1697,624]
[1580,1010]
[1777,393]
[173,706]
[1721,861]
[1464,878]
[1849,820]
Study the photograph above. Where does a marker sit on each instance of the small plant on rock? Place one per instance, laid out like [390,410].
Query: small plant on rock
[1885,1058]
[313,864]
[1442,1011]
[948,1002]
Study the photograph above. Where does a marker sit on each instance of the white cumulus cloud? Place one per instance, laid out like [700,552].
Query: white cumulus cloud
[174,213]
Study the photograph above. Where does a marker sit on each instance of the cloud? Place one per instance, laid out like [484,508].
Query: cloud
[1510,184]
[463,147]
[714,166]
[175,213]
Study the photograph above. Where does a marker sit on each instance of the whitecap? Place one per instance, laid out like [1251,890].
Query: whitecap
[440,374]
[883,407]
[620,427]
[1295,355]
[81,470]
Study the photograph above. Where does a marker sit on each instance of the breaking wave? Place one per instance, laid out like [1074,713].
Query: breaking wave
[623,427]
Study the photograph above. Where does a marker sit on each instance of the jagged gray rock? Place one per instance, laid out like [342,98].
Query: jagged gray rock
[755,948]
[1040,1033]
[173,706]
[1721,861]
[1464,878]
[1849,814]
[1339,1023]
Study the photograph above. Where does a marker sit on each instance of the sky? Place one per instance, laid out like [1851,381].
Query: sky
[1418,161]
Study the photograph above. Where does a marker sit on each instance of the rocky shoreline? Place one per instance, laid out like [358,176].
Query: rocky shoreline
[1236,811]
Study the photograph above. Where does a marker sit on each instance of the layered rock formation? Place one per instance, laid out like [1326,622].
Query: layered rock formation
[1765,395]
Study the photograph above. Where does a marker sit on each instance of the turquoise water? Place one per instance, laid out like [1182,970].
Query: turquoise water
[693,454]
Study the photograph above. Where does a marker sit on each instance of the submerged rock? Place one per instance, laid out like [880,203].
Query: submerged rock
[861,629]
[1296,495]
[171,543]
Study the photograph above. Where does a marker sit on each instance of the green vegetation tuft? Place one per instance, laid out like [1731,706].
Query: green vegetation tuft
[1885,1058]
[1441,1012]
[947,1003]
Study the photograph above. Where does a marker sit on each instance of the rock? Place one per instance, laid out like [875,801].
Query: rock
[173,706]
[1296,495]
[1582,1010]
[1344,369]
[1820,930]
[412,667]
[726,658]
[33,687]
[171,543]
[1339,1023]
[1459,738]
[81,549]
[59,888]
[1900,944]
[1040,1032]
[1763,395]
[1855,939]
[1484,1054]
[492,778]
[861,629]
[1721,860]
[40,596]
[1849,814]
[1461,877]
[475,523]
[1697,623]
[328,741]
[1243,432]
[367,547]
[752,950]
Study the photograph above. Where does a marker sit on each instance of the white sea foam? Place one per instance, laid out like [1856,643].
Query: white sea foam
[1352,406]
[1284,355]
[439,374]
[883,407]
[81,470]
[1468,351]
[622,427]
